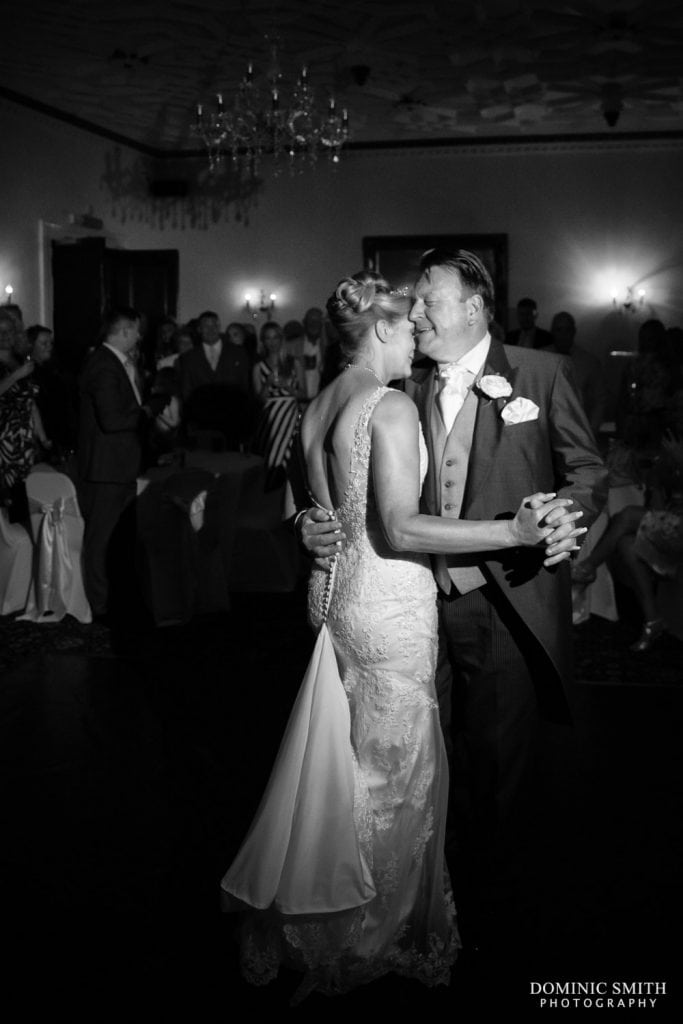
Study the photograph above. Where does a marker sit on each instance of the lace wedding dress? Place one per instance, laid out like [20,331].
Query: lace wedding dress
[344,860]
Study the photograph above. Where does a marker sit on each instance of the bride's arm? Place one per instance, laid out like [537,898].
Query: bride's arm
[396,478]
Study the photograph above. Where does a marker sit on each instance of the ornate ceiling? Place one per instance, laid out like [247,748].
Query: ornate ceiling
[437,69]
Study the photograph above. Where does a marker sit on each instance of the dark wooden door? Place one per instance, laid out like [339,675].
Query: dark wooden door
[147,280]
[78,297]
[88,279]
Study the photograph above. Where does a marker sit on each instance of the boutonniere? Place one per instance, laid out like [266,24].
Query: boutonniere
[494,385]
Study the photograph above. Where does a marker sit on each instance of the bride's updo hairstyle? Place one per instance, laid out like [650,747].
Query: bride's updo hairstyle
[358,303]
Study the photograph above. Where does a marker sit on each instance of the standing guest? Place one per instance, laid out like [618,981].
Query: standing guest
[312,351]
[500,422]
[111,426]
[213,360]
[21,427]
[528,335]
[214,383]
[278,382]
[294,339]
[182,341]
[588,371]
[56,398]
[166,330]
[238,334]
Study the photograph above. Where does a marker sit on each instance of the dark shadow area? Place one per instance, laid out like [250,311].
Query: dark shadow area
[133,761]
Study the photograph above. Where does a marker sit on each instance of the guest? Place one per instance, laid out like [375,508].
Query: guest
[647,389]
[278,381]
[21,427]
[165,333]
[294,339]
[183,340]
[528,335]
[112,421]
[164,433]
[588,371]
[56,397]
[312,351]
[239,335]
[214,384]
[648,540]
[276,371]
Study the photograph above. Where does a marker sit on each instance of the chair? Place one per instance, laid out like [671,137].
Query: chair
[57,526]
[181,519]
[16,558]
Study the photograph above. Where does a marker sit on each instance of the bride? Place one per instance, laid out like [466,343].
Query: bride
[343,869]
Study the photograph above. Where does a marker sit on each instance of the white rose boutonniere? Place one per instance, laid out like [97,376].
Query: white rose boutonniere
[493,385]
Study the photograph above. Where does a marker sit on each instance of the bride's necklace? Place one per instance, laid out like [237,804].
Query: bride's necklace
[362,366]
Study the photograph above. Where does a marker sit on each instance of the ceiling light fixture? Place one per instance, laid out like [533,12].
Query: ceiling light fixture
[271,120]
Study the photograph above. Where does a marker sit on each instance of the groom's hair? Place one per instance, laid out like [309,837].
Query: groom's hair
[472,272]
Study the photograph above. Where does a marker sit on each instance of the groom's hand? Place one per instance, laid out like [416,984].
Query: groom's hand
[321,536]
[562,542]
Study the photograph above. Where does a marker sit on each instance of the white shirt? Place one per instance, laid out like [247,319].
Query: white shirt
[452,393]
[129,366]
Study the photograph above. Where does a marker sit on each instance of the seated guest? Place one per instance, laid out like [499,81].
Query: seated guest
[528,335]
[21,427]
[56,398]
[648,539]
[588,371]
[214,384]
[276,371]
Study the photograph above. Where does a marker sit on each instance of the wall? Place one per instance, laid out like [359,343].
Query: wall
[578,220]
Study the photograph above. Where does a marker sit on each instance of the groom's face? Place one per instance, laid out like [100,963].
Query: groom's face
[440,314]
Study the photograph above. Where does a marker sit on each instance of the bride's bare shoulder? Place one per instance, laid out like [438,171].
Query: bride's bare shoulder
[395,407]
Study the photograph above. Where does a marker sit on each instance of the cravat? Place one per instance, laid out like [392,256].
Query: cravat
[455,383]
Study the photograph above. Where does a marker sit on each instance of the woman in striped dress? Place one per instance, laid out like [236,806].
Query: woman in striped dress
[278,385]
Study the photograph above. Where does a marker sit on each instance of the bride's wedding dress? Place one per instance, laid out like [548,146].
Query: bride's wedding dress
[344,863]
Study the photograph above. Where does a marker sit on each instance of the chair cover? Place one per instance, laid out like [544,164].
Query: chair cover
[57,525]
[16,558]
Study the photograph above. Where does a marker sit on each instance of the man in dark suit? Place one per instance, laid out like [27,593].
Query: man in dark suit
[214,383]
[528,335]
[112,418]
[509,423]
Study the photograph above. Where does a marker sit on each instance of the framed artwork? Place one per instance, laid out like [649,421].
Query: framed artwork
[397,257]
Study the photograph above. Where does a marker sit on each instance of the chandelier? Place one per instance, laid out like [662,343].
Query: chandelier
[272,120]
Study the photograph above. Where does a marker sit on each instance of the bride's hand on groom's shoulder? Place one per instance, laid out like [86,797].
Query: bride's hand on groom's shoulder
[321,536]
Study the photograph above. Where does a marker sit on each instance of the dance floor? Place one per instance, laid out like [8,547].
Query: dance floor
[133,758]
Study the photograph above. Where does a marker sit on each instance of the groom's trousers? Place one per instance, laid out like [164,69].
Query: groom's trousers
[489,716]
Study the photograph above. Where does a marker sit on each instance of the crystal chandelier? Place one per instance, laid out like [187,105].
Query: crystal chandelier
[287,125]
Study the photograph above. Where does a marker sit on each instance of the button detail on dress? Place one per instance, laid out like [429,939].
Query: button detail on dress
[448,507]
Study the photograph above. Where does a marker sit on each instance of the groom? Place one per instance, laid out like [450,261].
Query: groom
[500,423]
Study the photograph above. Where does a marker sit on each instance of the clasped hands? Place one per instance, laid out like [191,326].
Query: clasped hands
[322,537]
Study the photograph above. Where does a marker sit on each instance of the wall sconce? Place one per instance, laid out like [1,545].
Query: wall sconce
[265,306]
[634,300]
[9,292]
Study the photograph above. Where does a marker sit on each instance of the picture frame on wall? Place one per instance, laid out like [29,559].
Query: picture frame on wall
[397,258]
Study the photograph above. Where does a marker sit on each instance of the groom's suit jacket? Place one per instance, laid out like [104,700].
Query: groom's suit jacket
[554,452]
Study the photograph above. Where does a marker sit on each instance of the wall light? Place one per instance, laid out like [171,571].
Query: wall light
[633,301]
[9,292]
[265,305]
